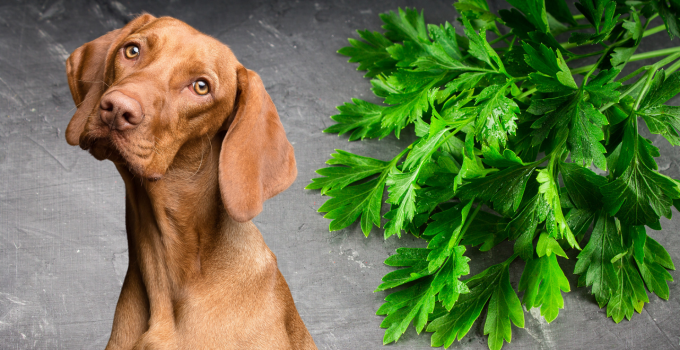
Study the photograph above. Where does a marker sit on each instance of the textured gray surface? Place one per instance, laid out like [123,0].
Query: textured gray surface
[63,252]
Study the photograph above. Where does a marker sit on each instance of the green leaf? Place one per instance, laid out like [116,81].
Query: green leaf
[583,186]
[466,81]
[359,117]
[415,261]
[504,307]
[594,263]
[523,226]
[594,10]
[493,283]
[412,304]
[653,268]
[401,191]
[407,24]
[553,72]
[496,116]
[557,224]
[586,134]
[475,9]
[447,280]
[486,229]
[495,159]
[585,123]
[630,292]
[509,107]
[655,277]
[548,246]
[601,90]
[535,12]
[579,221]
[371,54]
[560,10]
[355,168]
[444,233]
[521,26]
[480,48]
[409,105]
[640,196]
[657,253]
[542,282]
[663,120]
[670,17]
[417,302]
[662,89]
[351,202]
[504,188]
[445,35]
[425,146]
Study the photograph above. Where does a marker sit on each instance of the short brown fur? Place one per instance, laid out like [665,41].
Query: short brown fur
[196,170]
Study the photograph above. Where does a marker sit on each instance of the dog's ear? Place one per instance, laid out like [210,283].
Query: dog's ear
[256,160]
[85,70]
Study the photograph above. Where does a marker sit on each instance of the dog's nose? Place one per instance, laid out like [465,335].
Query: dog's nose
[120,112]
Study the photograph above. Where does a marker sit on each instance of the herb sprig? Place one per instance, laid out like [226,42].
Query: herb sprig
[513,125]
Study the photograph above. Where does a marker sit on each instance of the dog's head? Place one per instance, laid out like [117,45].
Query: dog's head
[145,91]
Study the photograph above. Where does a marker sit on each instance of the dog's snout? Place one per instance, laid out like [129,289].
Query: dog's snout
[120,112]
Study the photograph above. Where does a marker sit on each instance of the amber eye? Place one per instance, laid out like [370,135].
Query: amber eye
[131,51]
[201,87]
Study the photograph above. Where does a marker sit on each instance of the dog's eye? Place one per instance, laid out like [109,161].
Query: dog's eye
[201,87]
[131,51]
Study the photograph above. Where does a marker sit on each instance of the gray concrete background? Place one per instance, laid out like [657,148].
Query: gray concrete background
[63,252]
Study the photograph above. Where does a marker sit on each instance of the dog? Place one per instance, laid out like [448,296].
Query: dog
[200,146]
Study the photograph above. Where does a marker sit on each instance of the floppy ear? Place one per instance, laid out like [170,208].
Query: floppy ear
[256,161]
[85,69]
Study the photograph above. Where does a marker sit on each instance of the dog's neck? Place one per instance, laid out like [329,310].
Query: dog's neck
[178,231]
[175,218]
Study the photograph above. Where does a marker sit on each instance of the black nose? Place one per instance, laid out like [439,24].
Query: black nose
[120,112]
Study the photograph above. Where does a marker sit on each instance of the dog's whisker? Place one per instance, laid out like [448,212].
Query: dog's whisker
[199,164]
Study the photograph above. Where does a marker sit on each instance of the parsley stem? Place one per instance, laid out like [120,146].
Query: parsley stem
[654,30]
[631,75]
[526,93]
[585,55]
[468,222]
[638,57]
[673,68]
[500,38]
[590,72]
[510,259]
[652,54]
[648,82]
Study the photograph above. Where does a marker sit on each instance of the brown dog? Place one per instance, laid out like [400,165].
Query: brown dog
[200,146]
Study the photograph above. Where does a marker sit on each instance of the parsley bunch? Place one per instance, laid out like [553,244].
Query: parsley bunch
[513,125]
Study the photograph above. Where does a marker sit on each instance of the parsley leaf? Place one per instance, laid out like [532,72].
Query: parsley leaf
[543,280]
[350,202]
[504,307]
[595,261]
[359,117]
[371,54]
[504,188]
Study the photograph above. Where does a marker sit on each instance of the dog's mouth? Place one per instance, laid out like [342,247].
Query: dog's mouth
[136,153]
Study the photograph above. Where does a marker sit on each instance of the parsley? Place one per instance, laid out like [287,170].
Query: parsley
[507,134]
